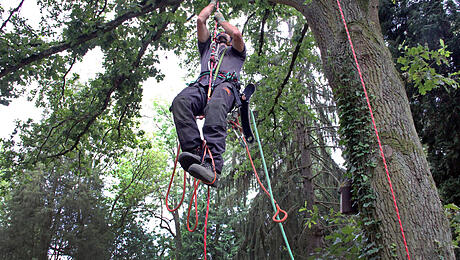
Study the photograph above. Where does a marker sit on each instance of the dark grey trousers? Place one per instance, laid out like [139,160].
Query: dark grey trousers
[191,102]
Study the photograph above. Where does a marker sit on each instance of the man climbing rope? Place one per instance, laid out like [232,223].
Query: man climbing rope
[221,61]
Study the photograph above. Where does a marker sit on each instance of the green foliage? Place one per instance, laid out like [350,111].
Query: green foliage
[54,211]
[137,243]
[417,63]
[453,214]
[436,114]
[344,235]
[356,132]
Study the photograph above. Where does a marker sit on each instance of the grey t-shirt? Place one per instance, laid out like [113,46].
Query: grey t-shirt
[233,60]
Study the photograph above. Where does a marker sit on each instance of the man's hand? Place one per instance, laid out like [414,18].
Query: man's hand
[213,2]
[219,17]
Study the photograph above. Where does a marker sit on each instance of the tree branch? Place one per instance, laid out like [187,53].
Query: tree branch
[11,15]
[65,75]
[86,37]
[262,31]
[118,81]
[247,21]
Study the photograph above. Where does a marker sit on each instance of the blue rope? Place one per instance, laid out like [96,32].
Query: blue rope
[269,185]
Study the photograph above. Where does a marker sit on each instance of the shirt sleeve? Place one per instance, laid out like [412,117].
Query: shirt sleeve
[203,47]
[240,54]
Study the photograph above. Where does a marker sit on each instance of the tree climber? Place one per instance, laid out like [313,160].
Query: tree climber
[227,52]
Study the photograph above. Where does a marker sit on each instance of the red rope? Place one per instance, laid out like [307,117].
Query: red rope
[170,184]
[194,198]
[206,222]
[375,128]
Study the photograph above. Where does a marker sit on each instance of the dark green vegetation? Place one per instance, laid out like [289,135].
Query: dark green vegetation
[87,183]
[436,113]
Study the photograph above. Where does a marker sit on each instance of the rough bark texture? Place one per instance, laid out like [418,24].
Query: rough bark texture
[425,225]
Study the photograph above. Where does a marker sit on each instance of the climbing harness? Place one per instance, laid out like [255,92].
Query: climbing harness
[375,129]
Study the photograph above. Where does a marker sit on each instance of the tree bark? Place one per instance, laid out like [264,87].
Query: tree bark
[426,227]
[314,234]
[178,237]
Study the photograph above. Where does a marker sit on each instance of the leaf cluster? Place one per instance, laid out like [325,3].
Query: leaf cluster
[416,62]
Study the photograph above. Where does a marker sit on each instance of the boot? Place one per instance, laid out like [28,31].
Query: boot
[186,159]
[205,173]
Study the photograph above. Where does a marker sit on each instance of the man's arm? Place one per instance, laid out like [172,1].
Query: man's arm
[231,30]
[202,29]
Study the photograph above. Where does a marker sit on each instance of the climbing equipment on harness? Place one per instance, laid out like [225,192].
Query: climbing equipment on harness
[212,61]
[244,112]
[375,130]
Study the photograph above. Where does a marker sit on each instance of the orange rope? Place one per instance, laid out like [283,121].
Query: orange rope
[278,209]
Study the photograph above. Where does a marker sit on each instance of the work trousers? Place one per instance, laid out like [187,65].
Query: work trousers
[191,102]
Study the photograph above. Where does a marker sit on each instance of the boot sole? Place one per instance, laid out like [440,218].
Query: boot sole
[203,174]
[186,159]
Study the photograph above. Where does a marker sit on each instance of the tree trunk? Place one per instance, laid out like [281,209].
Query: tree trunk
[178,236]
[425,225]
[314,235]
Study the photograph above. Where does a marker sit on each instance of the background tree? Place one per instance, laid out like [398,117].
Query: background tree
[54,211]
[436,114]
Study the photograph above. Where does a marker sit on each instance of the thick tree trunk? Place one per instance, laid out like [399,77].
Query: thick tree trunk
[425,225]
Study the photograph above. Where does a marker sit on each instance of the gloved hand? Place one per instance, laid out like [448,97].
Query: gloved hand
[214,2]
[219,17]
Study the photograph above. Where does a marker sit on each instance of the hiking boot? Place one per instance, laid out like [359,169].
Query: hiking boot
[186,159]
[205,173]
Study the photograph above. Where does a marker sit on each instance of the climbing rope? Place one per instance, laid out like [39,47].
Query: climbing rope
[194,199]
[375,129]
[212,60]
[170,184]
[278,210]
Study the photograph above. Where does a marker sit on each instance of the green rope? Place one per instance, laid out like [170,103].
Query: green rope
[220,62]
[269,185]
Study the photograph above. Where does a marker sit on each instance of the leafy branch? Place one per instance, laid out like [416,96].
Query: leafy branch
[417,62]
[71,43]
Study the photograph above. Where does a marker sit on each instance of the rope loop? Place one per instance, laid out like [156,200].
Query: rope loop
[194,198]
[170,184]
[278,210]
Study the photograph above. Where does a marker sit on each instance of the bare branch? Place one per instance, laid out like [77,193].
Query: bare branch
[291,67]
[64,77]
[11,15]
[262,31]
